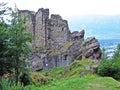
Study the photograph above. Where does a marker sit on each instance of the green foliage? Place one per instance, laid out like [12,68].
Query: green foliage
[18,43]
[104,55]
[5,64]
[104,68]
[6,85]
[25,79]
[39,79]
[14,48]
[111,67]
[116,56]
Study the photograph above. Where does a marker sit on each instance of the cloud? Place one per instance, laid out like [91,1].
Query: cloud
[71,8]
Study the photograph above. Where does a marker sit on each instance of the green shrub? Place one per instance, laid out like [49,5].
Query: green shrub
[104,68]
[6,85]
[116,67]
[25,79]
[111,67]
[38,79]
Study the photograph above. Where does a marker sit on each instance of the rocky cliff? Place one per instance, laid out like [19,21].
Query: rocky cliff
[54,44]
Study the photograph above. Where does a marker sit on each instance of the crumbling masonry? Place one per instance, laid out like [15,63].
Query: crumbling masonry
[54,44]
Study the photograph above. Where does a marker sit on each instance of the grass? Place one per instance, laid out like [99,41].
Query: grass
[73,70]
[89,82]
[68,78]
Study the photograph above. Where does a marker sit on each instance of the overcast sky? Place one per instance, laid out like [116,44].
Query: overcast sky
[70,8]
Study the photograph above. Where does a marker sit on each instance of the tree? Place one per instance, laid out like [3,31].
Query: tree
[14,48]
[104,55]
[18,43]
[111,67]
[116,55]
[5,65]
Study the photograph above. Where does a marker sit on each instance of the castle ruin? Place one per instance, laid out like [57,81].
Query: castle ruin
[55,45]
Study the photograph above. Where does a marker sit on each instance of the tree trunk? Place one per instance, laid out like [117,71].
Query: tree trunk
[17,72]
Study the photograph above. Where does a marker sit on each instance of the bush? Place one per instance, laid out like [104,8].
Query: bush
[104,68]
[6,85]
[39,79]
[116,67]
[111,67]
[25,79]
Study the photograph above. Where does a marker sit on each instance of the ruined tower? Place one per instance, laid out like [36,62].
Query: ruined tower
[50,32]
[58,31]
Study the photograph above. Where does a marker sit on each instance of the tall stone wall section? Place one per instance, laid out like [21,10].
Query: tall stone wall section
[50,32]
[41,18]
[58,31]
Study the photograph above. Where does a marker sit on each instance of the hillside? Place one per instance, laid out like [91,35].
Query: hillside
[69,78]
[85,83]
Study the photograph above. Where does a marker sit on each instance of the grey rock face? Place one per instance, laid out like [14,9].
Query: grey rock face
[92,48]
[56,61]
[59,46]
[41,18]
[36,60]
[58,31]
[77,35]
[82,74]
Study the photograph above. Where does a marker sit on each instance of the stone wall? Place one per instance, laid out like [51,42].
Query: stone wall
[58,31]
[41,18]
[48,32]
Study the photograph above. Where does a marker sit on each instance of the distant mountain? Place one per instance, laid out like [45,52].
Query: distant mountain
[100,26]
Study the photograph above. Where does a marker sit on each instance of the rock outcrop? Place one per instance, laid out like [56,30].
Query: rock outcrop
[54,44]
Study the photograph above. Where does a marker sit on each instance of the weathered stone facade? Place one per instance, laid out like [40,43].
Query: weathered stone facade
[48,32]
[58,31]
[55,45]
[41,18]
